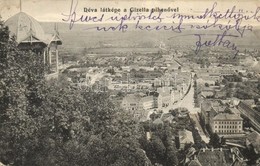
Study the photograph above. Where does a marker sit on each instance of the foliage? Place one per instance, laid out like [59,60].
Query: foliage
[50,123]
[161,148]
[198,142]
[215,141]
[111,71]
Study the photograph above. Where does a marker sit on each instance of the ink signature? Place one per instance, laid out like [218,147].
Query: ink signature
[220,40]
[233,16]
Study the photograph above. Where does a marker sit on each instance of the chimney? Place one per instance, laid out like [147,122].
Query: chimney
[221,149]
[212,149]
[203,149]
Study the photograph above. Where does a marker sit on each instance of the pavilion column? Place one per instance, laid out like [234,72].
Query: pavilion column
[57,60]
[50,57]
[44,58]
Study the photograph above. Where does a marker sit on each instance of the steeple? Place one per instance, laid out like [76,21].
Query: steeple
[56,29]
[20,5]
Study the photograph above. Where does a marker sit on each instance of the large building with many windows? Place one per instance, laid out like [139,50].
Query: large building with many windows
[227,124]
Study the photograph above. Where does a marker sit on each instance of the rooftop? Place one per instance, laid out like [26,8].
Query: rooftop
[214,157]
[24,26]
[132,98]
[26,29]
[194,163]
[249,102]
[147,98]
[254,139]
[158,121]
[186,136]
[227,116]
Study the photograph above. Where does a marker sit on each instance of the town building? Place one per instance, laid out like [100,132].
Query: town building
[165,98]
[209,109]
[132,103]
[138,104]
[221,119]
[227,124]
[216,157]
[167,117]
[185,137]
[148,102]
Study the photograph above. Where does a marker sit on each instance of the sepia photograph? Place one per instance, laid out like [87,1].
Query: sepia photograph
[129,83]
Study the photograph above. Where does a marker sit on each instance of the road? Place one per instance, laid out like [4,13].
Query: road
[204,137]
[188,100]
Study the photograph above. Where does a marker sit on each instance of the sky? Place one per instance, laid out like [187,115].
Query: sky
[52,10]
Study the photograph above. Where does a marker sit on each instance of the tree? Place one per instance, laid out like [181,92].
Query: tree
[258,86]
[224,81]
[21,74]
[50,123]
[111,71]
[231,85]
[214,140]
[195,77]
[217,83]
[171,150]
[250,75]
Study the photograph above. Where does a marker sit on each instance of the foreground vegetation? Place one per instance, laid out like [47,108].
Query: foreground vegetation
[50,123]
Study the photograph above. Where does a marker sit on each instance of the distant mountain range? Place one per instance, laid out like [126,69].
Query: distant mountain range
[78,38]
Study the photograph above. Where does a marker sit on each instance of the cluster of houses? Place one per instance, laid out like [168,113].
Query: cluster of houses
[226,116]
[139,105]
[219,156]
[225,156]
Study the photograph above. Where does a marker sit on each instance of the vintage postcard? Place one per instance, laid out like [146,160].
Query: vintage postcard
[129,83]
